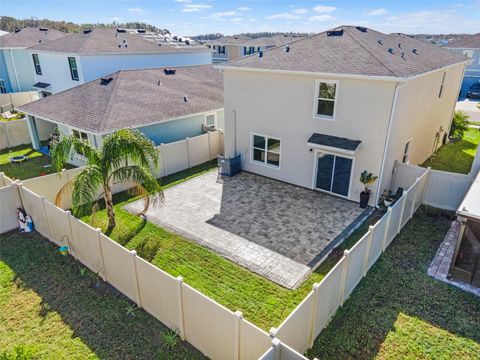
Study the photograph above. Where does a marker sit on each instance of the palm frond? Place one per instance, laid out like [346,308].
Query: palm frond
[128,146]
[86,185]
[63,149]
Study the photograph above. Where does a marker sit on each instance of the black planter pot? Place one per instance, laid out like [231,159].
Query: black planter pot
[364,196]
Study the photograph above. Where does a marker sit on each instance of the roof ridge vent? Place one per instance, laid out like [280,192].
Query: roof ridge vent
[169,71]
[43,29]
[362,29]
[119,30]
[105,80]
[336,32]
[141,31]
[390,50]
[415,51]
[87,31]
[380,41]
[286,48]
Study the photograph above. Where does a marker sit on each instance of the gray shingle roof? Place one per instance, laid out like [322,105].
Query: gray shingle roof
[334,141]
[466,42]
[133,98]
[242,40]
[355,52]
[107,41]
[28,37]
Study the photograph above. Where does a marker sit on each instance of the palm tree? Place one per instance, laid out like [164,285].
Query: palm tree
[125,156]
[459,124]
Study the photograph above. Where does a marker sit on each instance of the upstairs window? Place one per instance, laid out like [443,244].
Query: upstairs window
[221,50]
[81,136]
[3,87]
[440,92]
[73,68]
[325,99]
[266,150]
[36,63]
[211,121]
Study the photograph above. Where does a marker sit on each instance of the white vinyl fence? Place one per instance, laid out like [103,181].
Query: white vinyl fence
[444,190]
[13,100]
[310,317]
[173,157]
[15,133]
[213,329]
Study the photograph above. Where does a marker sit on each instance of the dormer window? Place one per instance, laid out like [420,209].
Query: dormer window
[36,64]
[73,68]
[326,94]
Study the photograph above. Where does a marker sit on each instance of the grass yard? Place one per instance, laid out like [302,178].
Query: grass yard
[51,309]
[261,301]
[33,167]
[399,312]
[456,156]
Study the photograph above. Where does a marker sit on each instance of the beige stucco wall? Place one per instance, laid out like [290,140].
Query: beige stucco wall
[282,105]
[419,114]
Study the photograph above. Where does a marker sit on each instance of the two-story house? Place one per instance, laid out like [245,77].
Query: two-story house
[91,54]
[16,70]
[232,47]
[319,111]
[470,47]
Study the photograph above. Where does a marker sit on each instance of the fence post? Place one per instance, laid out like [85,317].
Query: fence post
[371,229]
[100,251]
[188,151]
[72,235]
[404,197]
[277,346]
[416,184]
[2,179]
[313,315]
[164,157]
[209,145]
[135,277]
[20,192]
[181,323]
[49,228]
[425,185]
[6,134]
[343,283]
[237,318]
[387,227]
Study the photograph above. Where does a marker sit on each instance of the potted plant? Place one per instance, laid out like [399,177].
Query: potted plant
[387,197]
[367,179]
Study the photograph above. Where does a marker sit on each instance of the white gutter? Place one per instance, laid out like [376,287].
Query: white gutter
[15,71]
[387,140]
[339,76]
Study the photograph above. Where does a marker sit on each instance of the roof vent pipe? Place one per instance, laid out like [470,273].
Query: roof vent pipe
[415,51]
[185,98]
[380,41]
[390,50]
[287,48]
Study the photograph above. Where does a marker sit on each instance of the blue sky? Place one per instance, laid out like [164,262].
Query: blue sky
[190,17]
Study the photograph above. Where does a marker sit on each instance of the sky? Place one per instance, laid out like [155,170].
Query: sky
[192,17]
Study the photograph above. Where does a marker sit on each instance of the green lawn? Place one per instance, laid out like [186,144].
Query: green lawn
[31,168]
[399,312]
[261,301]
[50,308]
[456,156]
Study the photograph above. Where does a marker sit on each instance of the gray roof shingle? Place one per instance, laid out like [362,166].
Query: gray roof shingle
[109,41]
[28,37]
[466,42]
[133,98]
[242,40]
[355,52]
[334,141]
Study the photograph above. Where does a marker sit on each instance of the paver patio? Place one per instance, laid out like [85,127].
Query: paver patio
[277,230]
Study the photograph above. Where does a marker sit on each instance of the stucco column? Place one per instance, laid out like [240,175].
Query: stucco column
[33,131]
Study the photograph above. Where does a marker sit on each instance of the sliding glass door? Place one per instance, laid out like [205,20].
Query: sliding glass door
[333,173]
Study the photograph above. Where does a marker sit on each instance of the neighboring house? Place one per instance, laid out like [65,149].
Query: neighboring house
[319,111]
[232,47]
[91,54]
[470,47]
[16,66]
[166,105]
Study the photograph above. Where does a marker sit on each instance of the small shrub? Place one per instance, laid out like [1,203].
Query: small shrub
[130,309]
[19,352]
[459,124]
[170,339]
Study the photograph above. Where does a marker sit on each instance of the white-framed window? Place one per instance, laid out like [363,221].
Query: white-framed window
[211,120]
[406,152]
[325,99]
[266,150]
[440,91]
[72,63]
[81,136]
[3,87]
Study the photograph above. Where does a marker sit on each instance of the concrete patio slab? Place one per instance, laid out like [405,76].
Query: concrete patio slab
[277,230]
